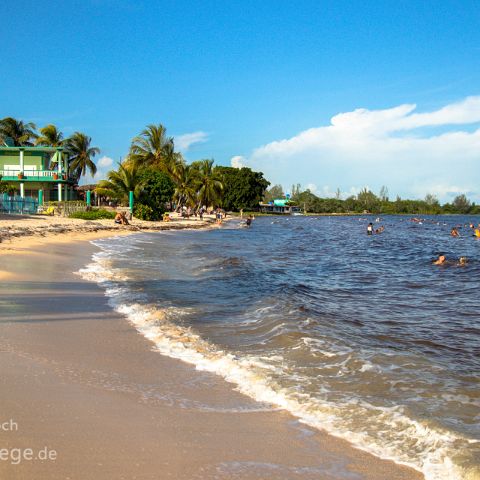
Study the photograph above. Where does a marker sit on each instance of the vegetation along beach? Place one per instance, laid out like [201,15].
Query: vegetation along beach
[240,241]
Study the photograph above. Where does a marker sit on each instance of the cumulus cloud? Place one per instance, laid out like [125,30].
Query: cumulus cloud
[185,141]
[411,153]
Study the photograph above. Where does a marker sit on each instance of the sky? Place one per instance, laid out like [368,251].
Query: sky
[328,94]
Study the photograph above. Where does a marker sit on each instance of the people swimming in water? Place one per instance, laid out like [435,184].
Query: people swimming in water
[440,260]
[248,222]
[370,229]
[462,261]
[454,232]
[380,229]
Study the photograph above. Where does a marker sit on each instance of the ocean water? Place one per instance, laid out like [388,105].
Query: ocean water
[358,335]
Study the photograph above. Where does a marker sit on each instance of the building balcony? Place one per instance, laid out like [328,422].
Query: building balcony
[34,176]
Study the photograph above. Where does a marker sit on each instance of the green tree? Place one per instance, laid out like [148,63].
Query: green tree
[185,180]
[242,188]
[276,191]
[157,190]
[18,132]
[461,204]
[368,201]
[81,155]
[209,183]
[384,194]
[153,148]
[50,136]
[121,182]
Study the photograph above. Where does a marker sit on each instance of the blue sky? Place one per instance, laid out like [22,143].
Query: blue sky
[242,77]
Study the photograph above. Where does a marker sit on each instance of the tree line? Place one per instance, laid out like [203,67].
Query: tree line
[159,176]
[367,201]
[153,170]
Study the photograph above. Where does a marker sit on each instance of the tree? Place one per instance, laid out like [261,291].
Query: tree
[153,148]
[368,200]
[121,182]
[338,194]
[185,186]
[157,189]
[274,192]
[209,183]
[81,155]
[461,204]
[384,194]
[50,136]
[19,133]
[242,188]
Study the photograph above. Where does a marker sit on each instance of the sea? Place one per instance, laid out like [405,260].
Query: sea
[360,336]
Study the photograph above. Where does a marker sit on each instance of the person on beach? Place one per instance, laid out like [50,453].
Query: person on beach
[454,232]
[440,260]
[121,219]
[370,229]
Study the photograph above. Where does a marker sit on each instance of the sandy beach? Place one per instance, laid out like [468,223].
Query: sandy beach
[79,384]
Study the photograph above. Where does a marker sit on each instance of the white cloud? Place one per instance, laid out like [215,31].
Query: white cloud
[185,141]
[382,147]
[237,161]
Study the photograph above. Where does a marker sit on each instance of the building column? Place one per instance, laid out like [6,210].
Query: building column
[59,192]
[22,189]
[21,160]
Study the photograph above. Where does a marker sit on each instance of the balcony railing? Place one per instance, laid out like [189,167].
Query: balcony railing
[31,174]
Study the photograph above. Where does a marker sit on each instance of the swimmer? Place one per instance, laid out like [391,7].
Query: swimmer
[441,260]
[454,232]
[462,261]
[370,229]
[249,220]
[380,229]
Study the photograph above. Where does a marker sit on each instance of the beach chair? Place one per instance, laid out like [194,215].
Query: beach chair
[48,211]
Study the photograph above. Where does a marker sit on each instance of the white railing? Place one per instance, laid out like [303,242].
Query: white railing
[29,173]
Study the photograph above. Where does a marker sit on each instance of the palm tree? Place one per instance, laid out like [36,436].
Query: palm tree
[21,134]
[121,182]
[50,136]
[80,155]
[185,186]
[209,184]
[152,147]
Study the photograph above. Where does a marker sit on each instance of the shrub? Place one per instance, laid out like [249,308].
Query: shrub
[144,212]
[94,215]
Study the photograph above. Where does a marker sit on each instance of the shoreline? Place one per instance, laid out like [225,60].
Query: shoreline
[81,378]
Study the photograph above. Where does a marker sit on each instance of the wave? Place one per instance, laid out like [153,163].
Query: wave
[434,451]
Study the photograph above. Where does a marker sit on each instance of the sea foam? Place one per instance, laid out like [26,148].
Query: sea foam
[434,450]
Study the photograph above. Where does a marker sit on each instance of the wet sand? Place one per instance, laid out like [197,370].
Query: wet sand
[76,378]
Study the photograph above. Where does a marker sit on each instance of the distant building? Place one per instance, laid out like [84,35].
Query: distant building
[281,206]
[31,170]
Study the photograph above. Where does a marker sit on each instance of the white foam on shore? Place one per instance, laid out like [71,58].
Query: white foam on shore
[432,449]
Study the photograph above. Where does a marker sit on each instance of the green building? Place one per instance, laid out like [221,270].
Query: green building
[38,172]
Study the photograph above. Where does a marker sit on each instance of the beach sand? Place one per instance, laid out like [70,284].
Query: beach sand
[78,380]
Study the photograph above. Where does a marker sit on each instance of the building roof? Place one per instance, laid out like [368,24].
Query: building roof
[34,149]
